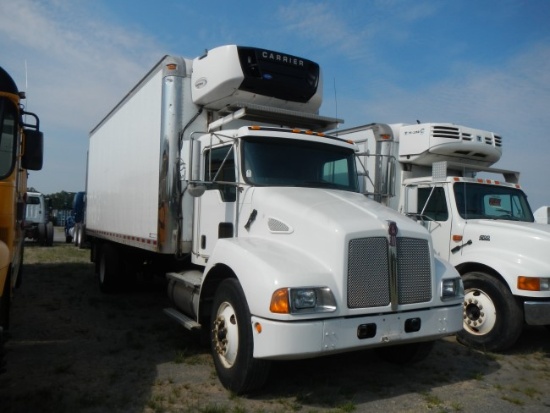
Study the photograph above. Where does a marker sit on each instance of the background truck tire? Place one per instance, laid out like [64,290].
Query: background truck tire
[49,234]
[493,319]
[41,234]
[232,341]
[406,353]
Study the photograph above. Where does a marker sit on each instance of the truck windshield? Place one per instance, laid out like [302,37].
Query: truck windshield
[480,201]
[285,162]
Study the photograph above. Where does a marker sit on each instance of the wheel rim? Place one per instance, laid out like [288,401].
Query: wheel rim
[479,312]
[226,334]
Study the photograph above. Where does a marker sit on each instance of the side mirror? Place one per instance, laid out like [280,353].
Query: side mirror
[196,190]
[34,150]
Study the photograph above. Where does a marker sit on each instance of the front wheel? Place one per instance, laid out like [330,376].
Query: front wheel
[232,342]
[493,319]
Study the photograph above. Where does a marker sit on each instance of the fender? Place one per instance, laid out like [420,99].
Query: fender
[508,263]
[263,266]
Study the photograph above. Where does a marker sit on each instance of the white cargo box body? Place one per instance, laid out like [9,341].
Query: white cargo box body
[123,169]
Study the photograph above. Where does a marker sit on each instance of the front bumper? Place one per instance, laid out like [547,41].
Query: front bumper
[283,340]
[537,313]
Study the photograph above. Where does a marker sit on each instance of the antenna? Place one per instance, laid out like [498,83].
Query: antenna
[335,97]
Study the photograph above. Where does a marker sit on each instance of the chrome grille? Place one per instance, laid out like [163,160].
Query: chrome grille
[368,283]
[369,275]
[413,271]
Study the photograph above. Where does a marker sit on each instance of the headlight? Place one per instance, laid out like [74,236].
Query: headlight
[451,288]
[302,300]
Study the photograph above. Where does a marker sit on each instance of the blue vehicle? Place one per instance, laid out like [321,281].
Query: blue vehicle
[73,223]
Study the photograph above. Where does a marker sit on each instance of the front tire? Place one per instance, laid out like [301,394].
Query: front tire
[232,341]
[493,319]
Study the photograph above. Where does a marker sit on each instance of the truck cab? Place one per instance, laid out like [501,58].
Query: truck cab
[21,150]
[253,214]
[38,225]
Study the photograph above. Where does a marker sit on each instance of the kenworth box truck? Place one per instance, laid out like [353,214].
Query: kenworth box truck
[215,173]
[21,146]
[479,218]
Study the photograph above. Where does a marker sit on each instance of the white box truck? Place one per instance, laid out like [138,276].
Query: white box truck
[215,173]
[38,225]
[478,216]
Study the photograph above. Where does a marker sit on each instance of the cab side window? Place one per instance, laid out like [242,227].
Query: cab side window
[219,172]
[436,207]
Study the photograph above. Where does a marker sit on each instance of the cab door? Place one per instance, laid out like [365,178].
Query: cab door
[215,209]
[433,211]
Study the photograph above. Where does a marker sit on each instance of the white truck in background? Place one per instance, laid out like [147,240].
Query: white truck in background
[484,227]
[38,225]
[214,172]
[542,215]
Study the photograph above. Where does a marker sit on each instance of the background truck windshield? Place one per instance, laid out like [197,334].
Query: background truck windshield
[286,162]
[475,201]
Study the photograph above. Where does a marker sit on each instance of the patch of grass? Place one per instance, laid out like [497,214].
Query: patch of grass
[347,407]
[35,254]
[478,376]
[432,400]
[513,400]
[186,356]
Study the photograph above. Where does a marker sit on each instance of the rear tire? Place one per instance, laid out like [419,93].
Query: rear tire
[49,234]
[493,319]
[41,234]
[232,341]
[109,269]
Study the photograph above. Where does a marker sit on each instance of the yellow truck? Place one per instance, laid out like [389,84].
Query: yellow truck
[21,149]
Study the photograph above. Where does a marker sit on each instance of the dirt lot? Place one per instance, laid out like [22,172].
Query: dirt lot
[73,349]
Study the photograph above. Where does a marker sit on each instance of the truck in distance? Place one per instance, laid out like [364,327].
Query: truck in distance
[215,172]
[442,175]
[38,225]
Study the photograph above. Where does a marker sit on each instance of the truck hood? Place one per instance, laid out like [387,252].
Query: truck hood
[327,213]
[514,247]
[515,230]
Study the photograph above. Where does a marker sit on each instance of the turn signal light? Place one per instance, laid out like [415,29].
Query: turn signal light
[279,302]
[532,283]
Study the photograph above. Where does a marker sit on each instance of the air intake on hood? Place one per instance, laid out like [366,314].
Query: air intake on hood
[277,226]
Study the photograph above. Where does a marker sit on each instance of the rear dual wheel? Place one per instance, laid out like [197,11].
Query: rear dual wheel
[109,269]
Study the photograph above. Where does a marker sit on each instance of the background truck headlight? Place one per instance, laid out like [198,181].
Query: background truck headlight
[451,288]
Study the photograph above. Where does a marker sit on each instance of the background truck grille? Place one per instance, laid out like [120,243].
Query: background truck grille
[369,275]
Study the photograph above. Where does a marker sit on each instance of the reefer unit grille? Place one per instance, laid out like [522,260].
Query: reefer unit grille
[369,275]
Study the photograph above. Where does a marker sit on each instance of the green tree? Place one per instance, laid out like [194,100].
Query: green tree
[61,200]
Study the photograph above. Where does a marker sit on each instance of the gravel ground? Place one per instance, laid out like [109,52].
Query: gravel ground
[73,349]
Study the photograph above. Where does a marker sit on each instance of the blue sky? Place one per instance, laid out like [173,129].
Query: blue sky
[483,64]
